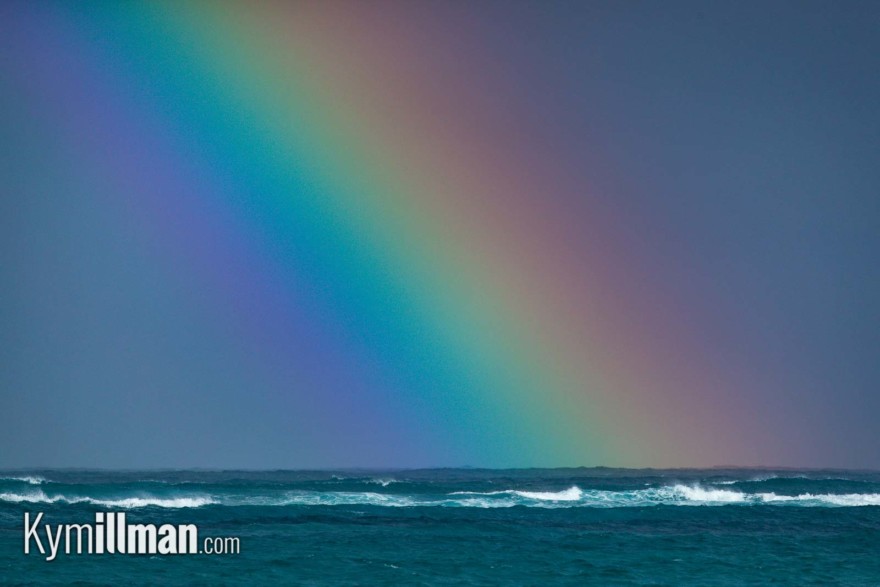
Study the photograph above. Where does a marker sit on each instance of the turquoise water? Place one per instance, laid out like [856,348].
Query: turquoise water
[465,526]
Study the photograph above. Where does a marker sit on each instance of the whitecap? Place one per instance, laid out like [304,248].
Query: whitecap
[32,480]
[128,502]
[831,499]
[670,495]
[698,494]
[573,493]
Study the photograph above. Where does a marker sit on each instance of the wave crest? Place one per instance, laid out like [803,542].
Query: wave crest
[571,494]
[670,495]
[29,479]
[125,503]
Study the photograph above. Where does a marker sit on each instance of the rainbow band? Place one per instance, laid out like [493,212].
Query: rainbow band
[375,241]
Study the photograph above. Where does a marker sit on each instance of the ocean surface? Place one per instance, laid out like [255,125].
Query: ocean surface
[590,526]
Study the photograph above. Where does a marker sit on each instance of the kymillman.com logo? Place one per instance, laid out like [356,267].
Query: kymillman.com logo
[110,534]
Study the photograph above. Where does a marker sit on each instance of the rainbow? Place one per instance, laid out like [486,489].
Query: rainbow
[359,203]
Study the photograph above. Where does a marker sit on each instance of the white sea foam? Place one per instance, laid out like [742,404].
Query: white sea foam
[674,495]
[127,502]
[382,482]
[33,480]
[831,499]
[698,494]
[571,494]
[140,502]
[341,498]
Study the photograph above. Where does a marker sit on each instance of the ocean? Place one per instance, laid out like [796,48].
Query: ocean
[583,526]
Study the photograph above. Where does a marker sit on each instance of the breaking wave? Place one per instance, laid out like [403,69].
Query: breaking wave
[574,496]
[126,502]
[29,479]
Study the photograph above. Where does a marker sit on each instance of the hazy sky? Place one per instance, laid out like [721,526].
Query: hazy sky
[420,233]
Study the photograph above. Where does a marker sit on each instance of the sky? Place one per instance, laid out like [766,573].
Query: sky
[418,234]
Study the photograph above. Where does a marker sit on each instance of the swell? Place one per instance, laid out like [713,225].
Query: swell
[574,496]
[134,501]
[29,479]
